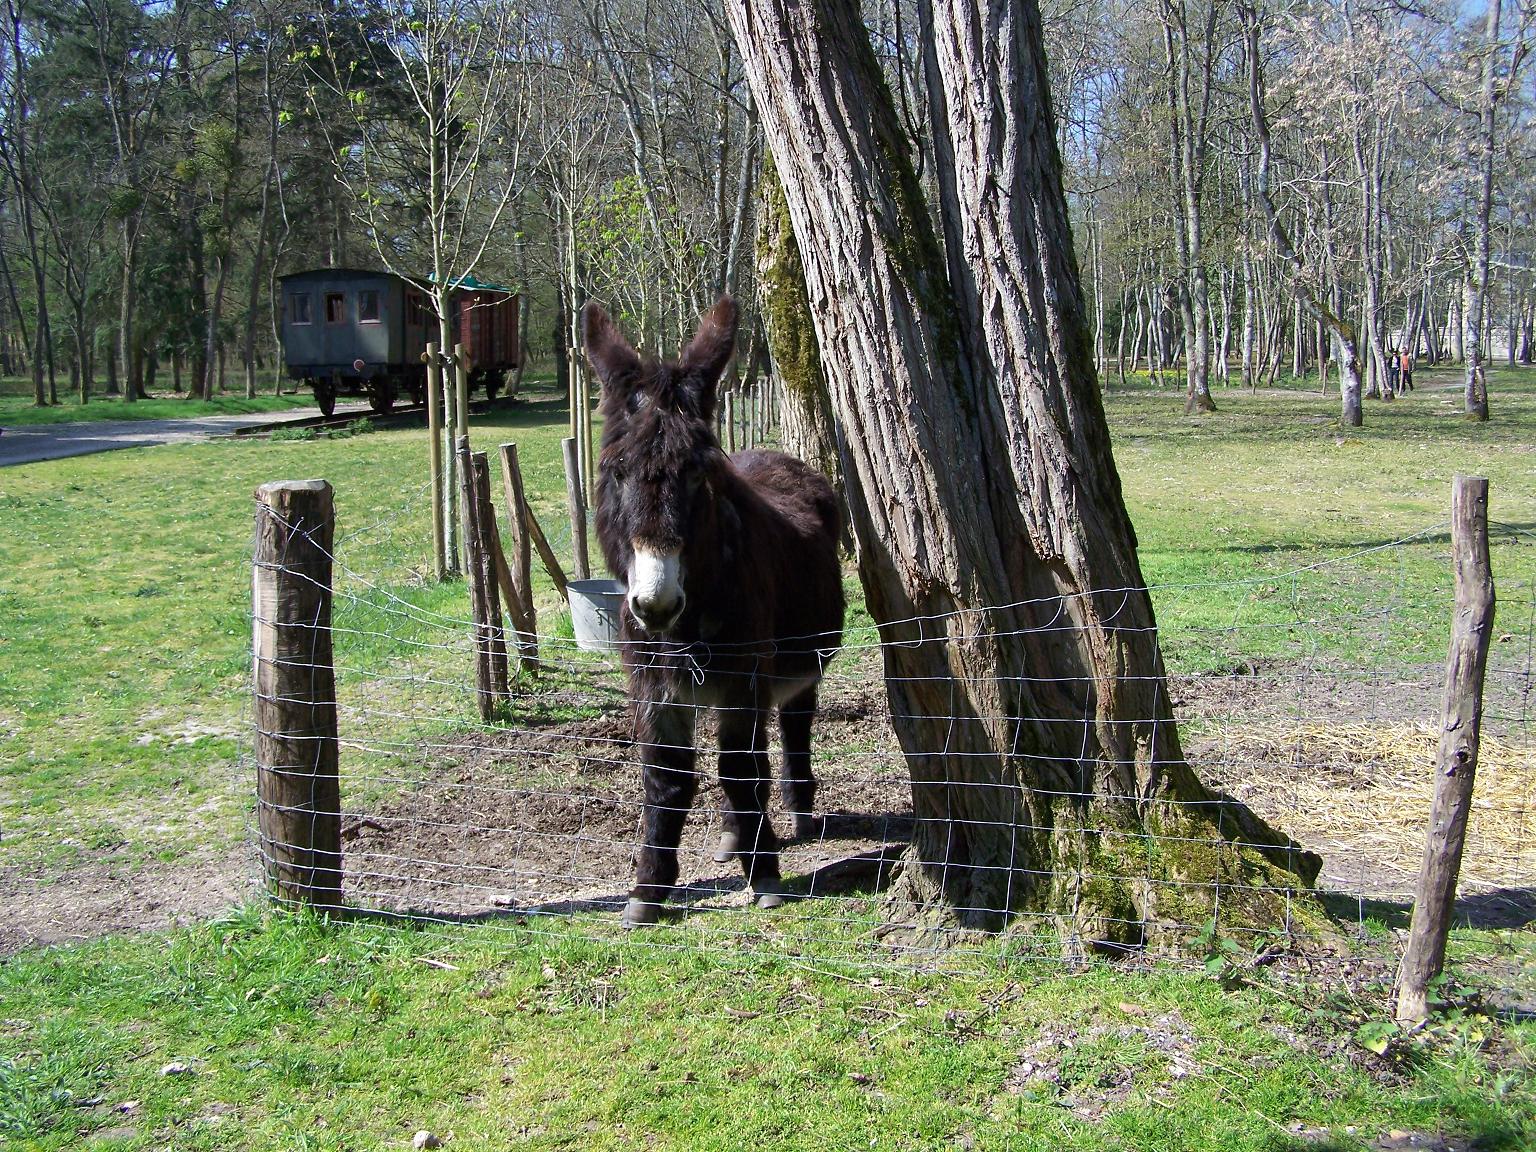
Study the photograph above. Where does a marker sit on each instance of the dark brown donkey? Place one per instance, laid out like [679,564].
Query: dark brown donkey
[735,599]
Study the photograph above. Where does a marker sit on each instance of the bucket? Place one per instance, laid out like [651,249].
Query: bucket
[595,608]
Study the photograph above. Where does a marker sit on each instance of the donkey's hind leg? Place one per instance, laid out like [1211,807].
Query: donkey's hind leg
[670,779]
[797,786]
[745,778]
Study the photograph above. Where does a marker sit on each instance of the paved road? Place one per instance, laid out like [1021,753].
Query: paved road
[33,442]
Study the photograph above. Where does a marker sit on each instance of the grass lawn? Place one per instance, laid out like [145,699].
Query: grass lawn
[124,658]
[17,409]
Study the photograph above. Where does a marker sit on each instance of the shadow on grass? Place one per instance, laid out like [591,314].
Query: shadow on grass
[1498,908]
[1486,1138]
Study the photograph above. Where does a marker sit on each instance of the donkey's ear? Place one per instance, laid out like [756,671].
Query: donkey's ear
[614,361]
[710,349]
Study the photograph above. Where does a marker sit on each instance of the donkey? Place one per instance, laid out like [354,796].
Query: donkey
[735,599]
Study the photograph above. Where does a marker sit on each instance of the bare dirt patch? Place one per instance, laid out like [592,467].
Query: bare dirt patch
[547,818]
[105,898]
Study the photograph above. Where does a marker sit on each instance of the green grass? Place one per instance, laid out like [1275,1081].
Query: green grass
[18,410]
[548,1035]
[124,618]
[124,659]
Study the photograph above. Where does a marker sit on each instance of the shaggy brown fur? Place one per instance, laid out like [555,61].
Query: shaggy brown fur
[749,623]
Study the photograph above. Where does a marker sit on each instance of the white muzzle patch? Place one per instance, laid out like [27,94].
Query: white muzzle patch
[655,586]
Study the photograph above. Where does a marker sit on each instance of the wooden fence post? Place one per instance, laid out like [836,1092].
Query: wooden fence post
[461,370]
[435,453]
[298,792]
[546,553]
[494,569]
[490,647]
[520,607]
[573,491]
[1456,761]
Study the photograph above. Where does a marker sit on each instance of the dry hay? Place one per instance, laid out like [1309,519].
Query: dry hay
[1360,794]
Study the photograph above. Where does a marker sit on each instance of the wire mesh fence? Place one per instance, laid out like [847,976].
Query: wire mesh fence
[1311,693]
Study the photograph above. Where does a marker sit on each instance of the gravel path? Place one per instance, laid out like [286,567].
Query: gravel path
[31,443]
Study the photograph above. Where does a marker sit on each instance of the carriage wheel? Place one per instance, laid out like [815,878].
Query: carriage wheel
[325,397]
[381,397]
[493,382]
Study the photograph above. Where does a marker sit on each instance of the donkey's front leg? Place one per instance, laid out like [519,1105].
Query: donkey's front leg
[797,784]
[745,779]
[665,735]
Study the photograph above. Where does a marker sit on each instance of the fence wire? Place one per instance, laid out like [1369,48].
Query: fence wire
[1311,694]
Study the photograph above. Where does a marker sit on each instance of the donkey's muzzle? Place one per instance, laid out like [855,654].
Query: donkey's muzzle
[654,616]
[656,589]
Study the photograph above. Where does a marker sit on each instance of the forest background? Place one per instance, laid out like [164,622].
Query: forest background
[164,163]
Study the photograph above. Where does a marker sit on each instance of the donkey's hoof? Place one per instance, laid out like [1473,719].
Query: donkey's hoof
[726,851]
[640,913]
[768,893]
[807,827]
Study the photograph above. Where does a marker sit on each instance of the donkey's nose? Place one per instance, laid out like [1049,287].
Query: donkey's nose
[656,588]
[656,613]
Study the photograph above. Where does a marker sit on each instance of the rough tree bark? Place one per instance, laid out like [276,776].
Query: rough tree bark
[1022,665]
[806,424]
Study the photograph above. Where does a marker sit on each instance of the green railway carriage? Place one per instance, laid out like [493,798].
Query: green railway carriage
[356,332]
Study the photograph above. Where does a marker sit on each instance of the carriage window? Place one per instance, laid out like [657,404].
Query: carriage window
[298,309]
[368,306]
[335,308]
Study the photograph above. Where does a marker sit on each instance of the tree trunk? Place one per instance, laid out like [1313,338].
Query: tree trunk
[1342,333]
[807,428]
[1476,381]
[1025,680]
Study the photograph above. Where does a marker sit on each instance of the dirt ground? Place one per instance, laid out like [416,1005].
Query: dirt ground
[544,817]
[107,898]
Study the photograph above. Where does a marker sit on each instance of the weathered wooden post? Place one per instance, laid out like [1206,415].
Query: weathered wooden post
[546,553]
[524,617]
[576,497]
[490,648]
[1456,761]
[730,421]
[461,369]
[298,792]
[435,454]
[493,569]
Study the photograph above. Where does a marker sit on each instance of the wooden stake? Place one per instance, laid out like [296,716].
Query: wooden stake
[490,667]
[435,438]
[461,369]
[493,570]
[546,553]
[298,792]
[520,599]
[1456,762]
[573,491]
[452,481]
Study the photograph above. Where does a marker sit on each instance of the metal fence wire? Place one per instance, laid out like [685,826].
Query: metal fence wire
[1311,693]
